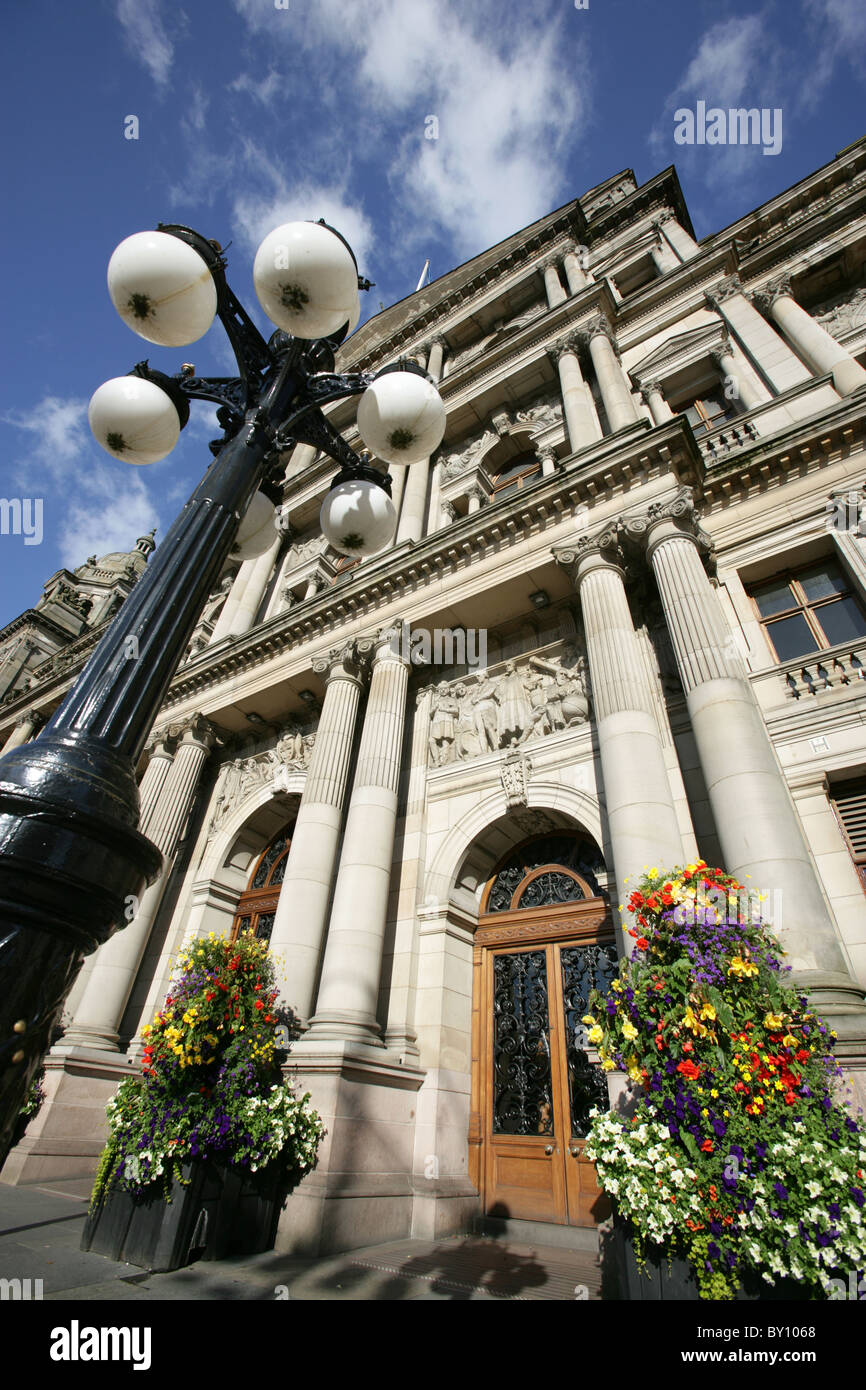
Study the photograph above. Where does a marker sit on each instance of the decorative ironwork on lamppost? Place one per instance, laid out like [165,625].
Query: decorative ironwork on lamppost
[71,857]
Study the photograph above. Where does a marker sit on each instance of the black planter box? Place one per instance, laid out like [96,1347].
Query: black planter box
[660,1279]
[216,1212]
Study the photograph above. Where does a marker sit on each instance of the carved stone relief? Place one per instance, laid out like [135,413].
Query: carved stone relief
[242,777]
[487,711]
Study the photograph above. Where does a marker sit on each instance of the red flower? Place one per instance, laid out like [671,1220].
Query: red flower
[210,995]
[234,963]
[259,1004]
[689,1069]
[641,944]
[707,1146]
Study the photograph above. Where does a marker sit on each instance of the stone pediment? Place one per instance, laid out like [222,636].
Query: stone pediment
[679,351]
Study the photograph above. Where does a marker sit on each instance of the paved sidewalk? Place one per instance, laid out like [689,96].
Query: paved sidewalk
[40,1232]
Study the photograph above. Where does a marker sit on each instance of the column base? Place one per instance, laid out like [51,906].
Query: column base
[841,1003]
[88,1040]
[333,1025]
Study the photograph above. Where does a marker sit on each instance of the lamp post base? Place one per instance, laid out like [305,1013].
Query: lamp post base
[71,866]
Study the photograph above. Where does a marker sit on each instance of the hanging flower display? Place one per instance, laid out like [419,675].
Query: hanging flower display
[739,1155]
[211,1085]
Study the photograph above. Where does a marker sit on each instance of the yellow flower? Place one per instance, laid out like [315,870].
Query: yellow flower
[634,1073]
[616,985]
[714,1093]
[773,1021]
[588,1019]
[629,1031]
[595,1034]
[653,874]
[608,1064]
[707,1011]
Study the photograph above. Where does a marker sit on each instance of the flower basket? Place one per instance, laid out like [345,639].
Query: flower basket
[736,1157]
[206,1144]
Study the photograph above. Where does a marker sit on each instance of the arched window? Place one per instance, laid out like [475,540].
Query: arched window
[257,906]
[545,871]
[515,473]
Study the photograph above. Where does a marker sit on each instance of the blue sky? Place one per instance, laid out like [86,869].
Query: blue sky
[254,112]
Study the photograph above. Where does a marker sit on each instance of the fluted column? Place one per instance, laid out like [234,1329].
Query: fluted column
[301,917]
[254,589]
[26,725]
[652,393]
[762,841]
[552,283]
[223,624]
[168,791]
[675,233]
[615,390]
[641,816]
[766,348]
[352,968]
[414,508]
[749,392]
[812,341]
[577,277]
[581,419]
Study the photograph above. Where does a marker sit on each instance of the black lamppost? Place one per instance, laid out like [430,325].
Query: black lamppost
[71,857]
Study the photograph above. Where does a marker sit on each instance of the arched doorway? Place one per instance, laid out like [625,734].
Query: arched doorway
[257,905]
[544,940]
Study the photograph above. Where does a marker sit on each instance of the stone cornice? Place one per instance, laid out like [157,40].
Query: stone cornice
[620,462]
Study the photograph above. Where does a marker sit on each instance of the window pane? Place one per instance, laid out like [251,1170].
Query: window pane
[841,621]
[791,637]
[822,581]
[774,598]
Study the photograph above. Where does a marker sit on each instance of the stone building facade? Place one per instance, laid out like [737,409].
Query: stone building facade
[622,623]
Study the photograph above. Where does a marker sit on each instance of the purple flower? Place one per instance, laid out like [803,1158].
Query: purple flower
[781,1191]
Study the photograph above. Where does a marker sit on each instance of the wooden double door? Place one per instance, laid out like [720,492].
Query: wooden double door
[536,1076]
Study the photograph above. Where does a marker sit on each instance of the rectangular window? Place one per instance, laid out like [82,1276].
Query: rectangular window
[849,802]
[808,610]
[705,413]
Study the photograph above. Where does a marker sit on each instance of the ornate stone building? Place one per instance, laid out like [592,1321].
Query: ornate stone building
[640,545]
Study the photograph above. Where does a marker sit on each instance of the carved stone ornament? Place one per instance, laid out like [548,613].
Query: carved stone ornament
[727,287]
[679,509]
[775,289]
[487,711]
[845,315]
[243,777]
[514,774]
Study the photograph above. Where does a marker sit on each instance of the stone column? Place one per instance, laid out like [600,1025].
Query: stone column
[759,831]
[770,353]
[641,816]
[818,347]
[448,512]
[26,725]
[351,972]
[299,925]
[223,624]
[250,599]
[671,229]
[577,277]
[552,283]
[651,392]
[414,508]
[548,465]
[168,791]
[434,514]
[664,257]
[615,390]
[749,392]
[475,498]
[580,414]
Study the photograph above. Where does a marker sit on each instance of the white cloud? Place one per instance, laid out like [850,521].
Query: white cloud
[105,505]
[839,29]
[510,107]
[146,37]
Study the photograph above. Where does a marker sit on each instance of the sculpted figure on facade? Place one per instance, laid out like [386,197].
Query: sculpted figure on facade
[242,777]
[443,725]
[482,714]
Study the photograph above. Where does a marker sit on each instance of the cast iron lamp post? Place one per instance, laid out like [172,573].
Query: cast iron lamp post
[71,858]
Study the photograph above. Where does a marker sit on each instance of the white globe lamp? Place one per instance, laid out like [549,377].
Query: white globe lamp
[306,279]
[162,289]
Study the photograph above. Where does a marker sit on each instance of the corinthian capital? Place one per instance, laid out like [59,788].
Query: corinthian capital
[775,289]
[598,327]
[604,543]
[570,343]
[345,662]
[725,289]
[679,510]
